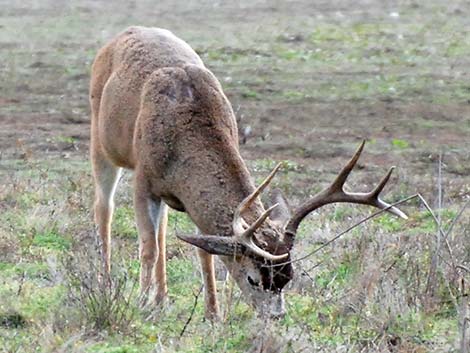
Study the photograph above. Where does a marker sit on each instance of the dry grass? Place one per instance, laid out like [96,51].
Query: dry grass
[307,81]
[366,292]
[103,303]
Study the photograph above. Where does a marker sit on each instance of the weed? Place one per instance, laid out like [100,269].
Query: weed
[248,93]
[399,80]
[400,144]
[105,303]
[51,240]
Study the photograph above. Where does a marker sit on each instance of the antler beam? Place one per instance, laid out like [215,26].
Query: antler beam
[335,193]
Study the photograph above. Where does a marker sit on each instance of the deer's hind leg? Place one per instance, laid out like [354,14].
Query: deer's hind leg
[106,177]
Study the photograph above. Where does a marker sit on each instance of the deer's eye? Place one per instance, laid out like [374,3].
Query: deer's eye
[252,281]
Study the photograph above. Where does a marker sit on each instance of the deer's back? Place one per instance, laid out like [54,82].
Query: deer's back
[119,73]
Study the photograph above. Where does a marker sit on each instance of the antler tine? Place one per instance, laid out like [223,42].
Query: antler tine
[251,229]
[380,186]
[335,193]
[379,203]
[251,198]
[245,236]
[343,175]
[255,249]
[238,222]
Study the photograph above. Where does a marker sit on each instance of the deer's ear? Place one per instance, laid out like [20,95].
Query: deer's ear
[281,214]
[214,244]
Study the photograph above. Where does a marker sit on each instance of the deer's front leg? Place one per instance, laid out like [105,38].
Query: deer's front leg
[210,289]
[160,271]
[106,177]
[152,259]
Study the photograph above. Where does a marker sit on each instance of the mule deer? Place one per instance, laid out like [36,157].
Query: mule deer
[158,110]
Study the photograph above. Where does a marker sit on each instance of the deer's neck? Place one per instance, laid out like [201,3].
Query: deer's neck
[211,192]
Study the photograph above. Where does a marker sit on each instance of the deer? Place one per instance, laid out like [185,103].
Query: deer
[157,110]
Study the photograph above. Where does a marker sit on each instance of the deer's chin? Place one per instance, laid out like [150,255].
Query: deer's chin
[272,306]
[266,303]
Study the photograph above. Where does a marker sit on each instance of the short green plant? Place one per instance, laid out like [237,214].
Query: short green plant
[400,144]
[51,240]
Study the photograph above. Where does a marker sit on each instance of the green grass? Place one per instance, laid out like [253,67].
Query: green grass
[124,222]
[32,270]
[357,293]
[34,292]
[51,240]
[400,144]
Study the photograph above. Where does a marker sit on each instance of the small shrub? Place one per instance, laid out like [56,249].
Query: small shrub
[103,303]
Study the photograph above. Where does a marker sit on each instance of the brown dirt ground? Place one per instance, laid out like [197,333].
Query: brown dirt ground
[48,47]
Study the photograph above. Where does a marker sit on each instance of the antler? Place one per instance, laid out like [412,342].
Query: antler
[239,223]
[335,193]
[243,233]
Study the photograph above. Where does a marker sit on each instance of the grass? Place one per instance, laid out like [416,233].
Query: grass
[400,144]
[300,84]
[394,64]
[341,296]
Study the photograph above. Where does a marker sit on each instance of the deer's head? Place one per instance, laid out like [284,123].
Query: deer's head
[258,254]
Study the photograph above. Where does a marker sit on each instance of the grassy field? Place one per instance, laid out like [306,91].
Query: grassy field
[309,81]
